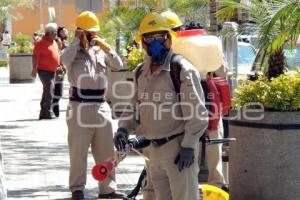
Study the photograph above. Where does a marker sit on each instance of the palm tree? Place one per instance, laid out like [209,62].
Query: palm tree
[282,25]
[213,6]
[278,24]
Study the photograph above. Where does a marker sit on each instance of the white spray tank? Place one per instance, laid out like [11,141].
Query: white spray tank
[204,52]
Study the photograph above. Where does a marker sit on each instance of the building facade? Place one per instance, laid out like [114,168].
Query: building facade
[64,12]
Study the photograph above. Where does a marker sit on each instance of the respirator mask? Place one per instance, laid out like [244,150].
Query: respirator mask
[156,48]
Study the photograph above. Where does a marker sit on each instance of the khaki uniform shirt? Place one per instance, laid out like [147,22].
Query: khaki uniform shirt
[160,113]
[88,69]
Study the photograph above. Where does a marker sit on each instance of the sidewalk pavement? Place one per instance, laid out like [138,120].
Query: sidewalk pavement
[35,152]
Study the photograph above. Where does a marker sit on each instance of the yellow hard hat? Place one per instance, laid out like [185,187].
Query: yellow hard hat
[172,19]
[153,22]
[211,192]
[88,21]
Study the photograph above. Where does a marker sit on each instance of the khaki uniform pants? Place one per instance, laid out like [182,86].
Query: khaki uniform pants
[214,159]
[168,182]
[89,124]
[148,190]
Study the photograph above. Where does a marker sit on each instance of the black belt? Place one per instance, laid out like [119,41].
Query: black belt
[162,141]
[87,95]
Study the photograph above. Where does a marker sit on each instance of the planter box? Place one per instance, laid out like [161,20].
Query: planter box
[120,89]
[20,67]
[265,159]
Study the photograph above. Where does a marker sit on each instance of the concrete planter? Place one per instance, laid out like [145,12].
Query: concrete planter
[121,89]
[20,67]
[265,159]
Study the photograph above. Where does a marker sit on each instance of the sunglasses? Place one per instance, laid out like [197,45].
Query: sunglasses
[161,37]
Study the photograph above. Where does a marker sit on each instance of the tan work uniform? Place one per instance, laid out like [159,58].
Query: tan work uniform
[162,115]
[214,152]
[89,123]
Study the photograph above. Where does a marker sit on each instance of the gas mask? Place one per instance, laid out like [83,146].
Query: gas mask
[156,48]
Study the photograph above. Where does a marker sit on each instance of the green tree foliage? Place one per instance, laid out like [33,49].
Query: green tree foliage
[121,20]
[7,5]
[125,18]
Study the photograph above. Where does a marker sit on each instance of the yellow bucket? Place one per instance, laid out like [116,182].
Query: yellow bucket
[210,192]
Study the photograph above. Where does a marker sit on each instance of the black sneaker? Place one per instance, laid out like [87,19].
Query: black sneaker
[77,195]
[56,110]
[113,195]
[47,116]
[225,188]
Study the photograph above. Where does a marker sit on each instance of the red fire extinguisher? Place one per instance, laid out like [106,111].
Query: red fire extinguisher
[224,92]
[214,106]
[220,100]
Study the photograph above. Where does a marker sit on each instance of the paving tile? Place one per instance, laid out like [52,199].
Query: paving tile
[35,152]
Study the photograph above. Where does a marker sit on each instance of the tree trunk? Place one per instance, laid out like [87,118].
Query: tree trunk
[213,16]
[277,64]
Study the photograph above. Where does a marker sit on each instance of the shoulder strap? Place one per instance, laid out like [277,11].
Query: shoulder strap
[138,72]
[175,71]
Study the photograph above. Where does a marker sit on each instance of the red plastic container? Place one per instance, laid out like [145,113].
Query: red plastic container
[187,33]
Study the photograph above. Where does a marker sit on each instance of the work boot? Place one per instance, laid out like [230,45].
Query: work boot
[113,195]
[78,195]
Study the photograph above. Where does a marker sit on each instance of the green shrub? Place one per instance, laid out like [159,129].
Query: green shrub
[279,94]
[135,57]
[23,44]
[3,63]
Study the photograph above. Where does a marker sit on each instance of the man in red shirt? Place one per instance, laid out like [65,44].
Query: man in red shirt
[45,62]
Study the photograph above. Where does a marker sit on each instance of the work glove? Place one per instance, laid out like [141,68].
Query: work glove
[185,158]
[101,43]
[139,142]
[121,139]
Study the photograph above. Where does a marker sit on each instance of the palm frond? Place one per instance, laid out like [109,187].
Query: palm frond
[276,27]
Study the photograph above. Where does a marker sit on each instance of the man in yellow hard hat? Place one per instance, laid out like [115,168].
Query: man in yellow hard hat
[170,111]
[89,118]
[213,152]
[172,20]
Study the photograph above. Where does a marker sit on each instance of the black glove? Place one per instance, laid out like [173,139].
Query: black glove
[121,139]
[139,142]
[185,158]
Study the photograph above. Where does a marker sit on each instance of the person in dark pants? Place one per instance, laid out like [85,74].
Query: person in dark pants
[62,43]
[45,62]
